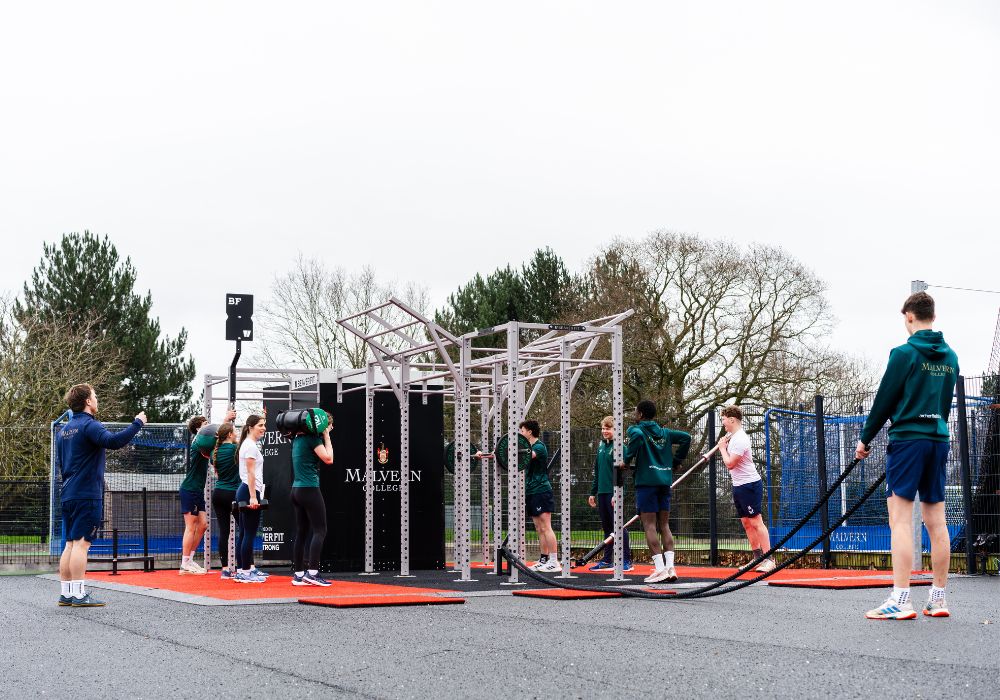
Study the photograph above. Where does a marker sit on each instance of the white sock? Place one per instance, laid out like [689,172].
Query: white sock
[901,595]
[936,593]
[76,589]
[66,588]
[185,559]
[658,562]
[554,557]
[314,572]
[300,574]
[668,558]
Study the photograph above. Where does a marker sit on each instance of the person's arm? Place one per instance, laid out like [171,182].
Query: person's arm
[325,451]
[593,483]
[890,390]
[252,481]
[632,443]
[103,437]
[683,442]
[730,460]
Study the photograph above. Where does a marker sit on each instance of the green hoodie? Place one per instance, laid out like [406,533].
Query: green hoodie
[604,473]
[651,448]
[916,391]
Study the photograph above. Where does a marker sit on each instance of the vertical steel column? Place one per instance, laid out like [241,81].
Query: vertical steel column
[824,512]
[522,474]
[963,453]
[370,470]
[497,427]
[565,394]
[463,476]
[713,511]
[618,409]
[404,467]
[209,478]
[486,539]
[515,501]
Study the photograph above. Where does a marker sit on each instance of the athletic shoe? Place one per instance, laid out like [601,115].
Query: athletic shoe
[671,574]
[315,580]
[86,602]
[936,608]
[539,564]
[628,566]
[602,566]
[657,576]
[249,577]
[226,575]
[891,610]
[299,580]
[65,600]
[258,572]
[766,565]
[190,567]
[551,566]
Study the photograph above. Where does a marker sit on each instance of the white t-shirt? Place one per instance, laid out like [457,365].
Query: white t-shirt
[744,472]
[250,449]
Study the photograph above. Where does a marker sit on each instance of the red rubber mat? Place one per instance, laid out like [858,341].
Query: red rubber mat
[211,586]
[376,601]
[566,594]
[843,584]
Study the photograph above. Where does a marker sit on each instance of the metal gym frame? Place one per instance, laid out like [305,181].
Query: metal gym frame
[468,375]
[236,383]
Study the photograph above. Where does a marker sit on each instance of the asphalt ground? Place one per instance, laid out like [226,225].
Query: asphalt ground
[758,642]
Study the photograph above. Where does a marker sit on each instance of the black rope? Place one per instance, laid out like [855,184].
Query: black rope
[711,589]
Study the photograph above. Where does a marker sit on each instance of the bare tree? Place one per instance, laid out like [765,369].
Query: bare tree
[40,358]
[299,322]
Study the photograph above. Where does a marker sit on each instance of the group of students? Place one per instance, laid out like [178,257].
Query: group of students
[239,468]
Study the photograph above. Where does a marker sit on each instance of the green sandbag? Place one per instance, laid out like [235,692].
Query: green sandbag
[204,441]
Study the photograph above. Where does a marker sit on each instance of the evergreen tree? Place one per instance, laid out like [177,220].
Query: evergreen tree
[83,276]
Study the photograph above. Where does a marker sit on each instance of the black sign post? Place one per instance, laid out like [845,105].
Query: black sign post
[239,327]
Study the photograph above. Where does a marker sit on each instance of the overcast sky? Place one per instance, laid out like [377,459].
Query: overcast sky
[214,141]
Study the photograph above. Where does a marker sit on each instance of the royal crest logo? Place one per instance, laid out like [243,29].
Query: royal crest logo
[383,454]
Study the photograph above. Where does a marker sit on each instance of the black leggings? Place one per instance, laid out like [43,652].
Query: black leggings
[222,504]
[310,526]
[249,522]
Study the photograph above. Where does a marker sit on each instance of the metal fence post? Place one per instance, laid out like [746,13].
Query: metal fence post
[963,452]
[824,512]
[713,525]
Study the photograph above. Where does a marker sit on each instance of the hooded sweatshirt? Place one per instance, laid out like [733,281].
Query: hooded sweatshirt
[916,391]
[652,449]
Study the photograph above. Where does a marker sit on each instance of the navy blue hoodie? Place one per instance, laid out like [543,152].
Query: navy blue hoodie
[81,447]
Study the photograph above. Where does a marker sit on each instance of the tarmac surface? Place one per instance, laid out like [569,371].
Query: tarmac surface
[758,642]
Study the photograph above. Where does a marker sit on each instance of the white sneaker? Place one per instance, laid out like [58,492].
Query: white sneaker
[537,566]
[551,566]
[657,576]
[190,567]
[766,565]
[671,575]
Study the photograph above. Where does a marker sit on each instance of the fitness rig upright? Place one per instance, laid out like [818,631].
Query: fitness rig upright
[251,384]
[486,376]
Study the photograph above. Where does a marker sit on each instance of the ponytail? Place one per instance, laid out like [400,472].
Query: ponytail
[252,420]
[225,430]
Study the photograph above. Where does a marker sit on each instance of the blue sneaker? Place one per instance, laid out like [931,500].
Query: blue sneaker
[299,580]
[315,580]
[86,602]
[627,566]
[227,575]
[257,572]
[602,566]
[65,600]
[248,577]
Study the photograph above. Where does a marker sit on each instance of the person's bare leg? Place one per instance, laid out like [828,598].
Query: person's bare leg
[546,537]
[663,525]
[648,521]
[64,560]
[188,541]
[751,530]
[78,560]
[937,528]
[900,520]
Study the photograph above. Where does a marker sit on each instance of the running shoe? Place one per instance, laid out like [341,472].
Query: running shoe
[262,574]
[671,575]
[248,577]
[65,600]
[86,602]
[627,566]
[190,567]
[766,565]
[226,575]
[551,566]
[315,580]
[936,608]
[657,576]
[602,566]
[539,564]
[299,580]
[891,610]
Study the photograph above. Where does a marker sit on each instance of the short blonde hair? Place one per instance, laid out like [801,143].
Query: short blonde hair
[608,422]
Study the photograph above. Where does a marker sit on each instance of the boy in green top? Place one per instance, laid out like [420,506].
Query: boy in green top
[651,447]
[915,393]
[602,495]
[310,508]
[539,502]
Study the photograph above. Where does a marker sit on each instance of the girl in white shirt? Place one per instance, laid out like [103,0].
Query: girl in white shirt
[249,492]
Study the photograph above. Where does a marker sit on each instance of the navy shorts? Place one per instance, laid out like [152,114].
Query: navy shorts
[192,502]
[748,498]
[537,503]
[916,465]
[652,499]
[81,518]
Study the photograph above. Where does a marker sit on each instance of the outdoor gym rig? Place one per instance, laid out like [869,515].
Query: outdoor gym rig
[467,374]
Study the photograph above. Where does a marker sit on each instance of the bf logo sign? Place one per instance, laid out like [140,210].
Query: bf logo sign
[239,317]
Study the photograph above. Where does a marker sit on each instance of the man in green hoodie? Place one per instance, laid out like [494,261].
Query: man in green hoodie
[915,393]
[651,448]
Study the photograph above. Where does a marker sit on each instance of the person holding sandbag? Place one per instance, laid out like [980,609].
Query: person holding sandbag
[308,451]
